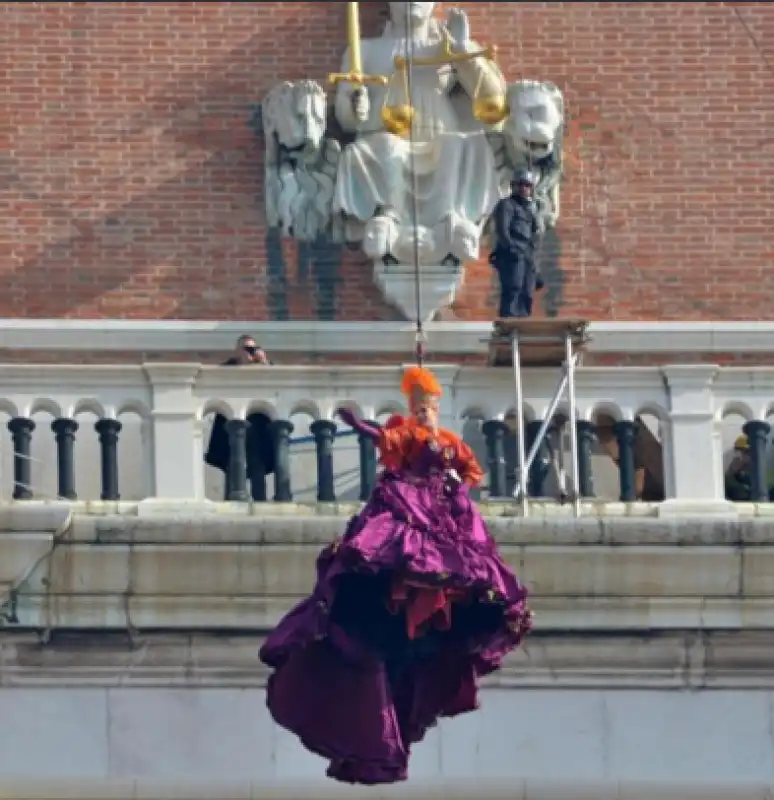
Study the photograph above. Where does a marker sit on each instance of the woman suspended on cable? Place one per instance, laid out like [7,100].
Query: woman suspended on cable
[412,605]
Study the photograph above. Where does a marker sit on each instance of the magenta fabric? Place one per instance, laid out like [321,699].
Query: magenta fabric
[346,679]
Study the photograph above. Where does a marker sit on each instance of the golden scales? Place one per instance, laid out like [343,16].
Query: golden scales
[398,115]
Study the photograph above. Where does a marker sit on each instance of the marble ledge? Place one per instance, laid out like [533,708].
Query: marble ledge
[312,526]
[284,568]
[530,789]
[313,336]
[32,514]
[586,615]
[666,661]
[317,524]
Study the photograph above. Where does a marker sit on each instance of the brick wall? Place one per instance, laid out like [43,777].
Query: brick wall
[131,183]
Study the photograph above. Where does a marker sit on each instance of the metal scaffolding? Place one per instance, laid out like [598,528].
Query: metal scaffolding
[520,343]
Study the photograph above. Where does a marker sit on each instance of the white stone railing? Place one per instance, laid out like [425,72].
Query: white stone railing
[163,408]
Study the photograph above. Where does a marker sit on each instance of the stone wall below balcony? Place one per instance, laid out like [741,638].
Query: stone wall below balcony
[208,566]
[128,656]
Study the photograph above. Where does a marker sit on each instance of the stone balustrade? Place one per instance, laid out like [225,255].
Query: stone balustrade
[158,413]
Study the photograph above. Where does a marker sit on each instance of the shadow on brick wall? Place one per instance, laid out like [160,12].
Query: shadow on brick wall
[157,210]
[175,229]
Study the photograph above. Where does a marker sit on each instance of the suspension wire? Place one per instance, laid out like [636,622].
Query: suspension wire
[419,346]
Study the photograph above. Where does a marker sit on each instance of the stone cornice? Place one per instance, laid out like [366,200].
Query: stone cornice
[573,660]
[603,524]
[187,569]
[483,787]
[309,336]
[751,523]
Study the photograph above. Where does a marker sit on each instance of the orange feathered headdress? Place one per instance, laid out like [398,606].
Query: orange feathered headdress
[419,383]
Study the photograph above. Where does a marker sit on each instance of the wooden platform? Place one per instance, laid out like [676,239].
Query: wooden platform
[541,341]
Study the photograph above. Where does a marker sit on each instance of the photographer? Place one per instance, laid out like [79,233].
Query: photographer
[259,444]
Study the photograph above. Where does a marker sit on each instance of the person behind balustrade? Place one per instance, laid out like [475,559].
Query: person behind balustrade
[517,229]
[738,477]
[259,444]
[411,606]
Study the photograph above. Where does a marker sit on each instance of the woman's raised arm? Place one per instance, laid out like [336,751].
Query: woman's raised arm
[363,428]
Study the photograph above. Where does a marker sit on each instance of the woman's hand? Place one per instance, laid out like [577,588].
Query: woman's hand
[457,492]
[453,479]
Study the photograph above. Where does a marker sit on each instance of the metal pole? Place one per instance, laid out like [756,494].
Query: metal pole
[520,419]
[542,432]
[559,470]
[570,357]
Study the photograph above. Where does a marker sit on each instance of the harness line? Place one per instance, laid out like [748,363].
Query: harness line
[420,338]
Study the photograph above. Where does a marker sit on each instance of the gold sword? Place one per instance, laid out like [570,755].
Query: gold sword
[355,74]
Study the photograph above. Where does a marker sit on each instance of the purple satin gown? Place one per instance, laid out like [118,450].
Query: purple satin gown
[347,679]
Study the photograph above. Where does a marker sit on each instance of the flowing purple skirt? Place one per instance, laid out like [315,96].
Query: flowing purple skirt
[348,680]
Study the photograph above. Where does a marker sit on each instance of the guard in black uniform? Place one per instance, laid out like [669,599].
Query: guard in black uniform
[517,230]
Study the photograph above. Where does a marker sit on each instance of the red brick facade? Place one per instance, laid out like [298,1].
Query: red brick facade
[131,182]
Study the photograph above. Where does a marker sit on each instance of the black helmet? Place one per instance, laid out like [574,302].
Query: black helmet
[524,177]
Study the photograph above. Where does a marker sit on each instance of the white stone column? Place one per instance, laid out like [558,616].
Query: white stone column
[449,416]
[696,469]
[148,459]
[177,443]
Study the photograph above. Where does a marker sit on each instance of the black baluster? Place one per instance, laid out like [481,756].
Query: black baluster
[64,434]
[282,486]
[237,462]
[511,453]
[367,462]
[626,433]
[108,430]
[257,433]
[494,432]
[324,432]
[757,433]
[541,464]
[257,475]
[21,430]
[586,436]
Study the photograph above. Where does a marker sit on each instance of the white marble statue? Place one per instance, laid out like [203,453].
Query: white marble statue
[300,160]
[438,187]
[533,140]
[423,198]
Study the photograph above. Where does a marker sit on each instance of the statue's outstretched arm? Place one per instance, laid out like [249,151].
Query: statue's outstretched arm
[480,77]
[477,76]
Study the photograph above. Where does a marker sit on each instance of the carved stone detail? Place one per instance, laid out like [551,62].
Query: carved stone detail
[675,660]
